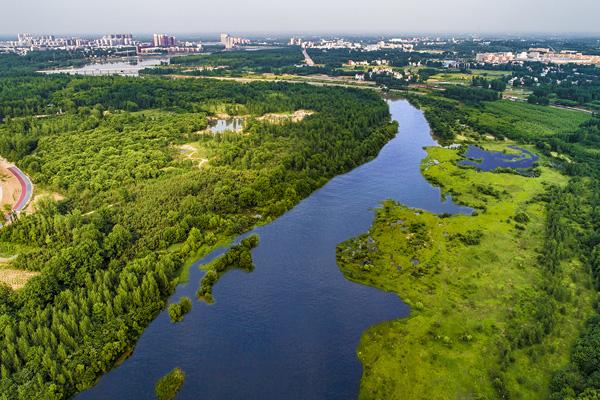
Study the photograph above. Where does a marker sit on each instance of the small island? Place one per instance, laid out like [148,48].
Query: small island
[178,310]
[167,387]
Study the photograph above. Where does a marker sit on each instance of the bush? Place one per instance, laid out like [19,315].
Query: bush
[470,238]
[521,217]
[178,310]
[167,387]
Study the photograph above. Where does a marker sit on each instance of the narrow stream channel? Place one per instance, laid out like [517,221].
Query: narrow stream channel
[288,330]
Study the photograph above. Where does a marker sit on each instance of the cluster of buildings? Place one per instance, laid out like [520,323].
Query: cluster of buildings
[543,55]
[232,41]
[345,44]
[401,75]
[378,63]
[161,43]
[26,42]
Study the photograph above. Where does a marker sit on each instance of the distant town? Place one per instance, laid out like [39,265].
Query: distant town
[125,44]
[543,55]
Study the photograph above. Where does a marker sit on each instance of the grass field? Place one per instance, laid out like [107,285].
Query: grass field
[471,281]
[458,78]
[517,93]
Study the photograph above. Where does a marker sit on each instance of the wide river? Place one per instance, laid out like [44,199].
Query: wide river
[290,328]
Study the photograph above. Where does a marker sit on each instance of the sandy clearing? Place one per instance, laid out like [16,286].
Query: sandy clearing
[190,152]
[16,278]
[11,188]
[296,116]
[31,207]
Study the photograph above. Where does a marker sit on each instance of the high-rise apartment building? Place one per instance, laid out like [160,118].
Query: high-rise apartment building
[162,40]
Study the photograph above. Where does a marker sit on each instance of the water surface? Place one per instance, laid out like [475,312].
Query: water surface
[235,124]
[487,160]
[288,330]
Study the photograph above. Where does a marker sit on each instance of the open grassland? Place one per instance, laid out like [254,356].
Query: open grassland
[460,78]
[518,93]
[481,320]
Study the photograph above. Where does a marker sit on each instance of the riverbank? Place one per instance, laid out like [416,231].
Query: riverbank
[295,319]
[132,197]
[476,328]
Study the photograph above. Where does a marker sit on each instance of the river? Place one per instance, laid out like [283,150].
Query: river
[290,328]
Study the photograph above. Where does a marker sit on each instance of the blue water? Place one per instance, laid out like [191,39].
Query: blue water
[490,160]
[289,329]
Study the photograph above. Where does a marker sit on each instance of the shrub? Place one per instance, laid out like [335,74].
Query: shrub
[178,310]
[521,217]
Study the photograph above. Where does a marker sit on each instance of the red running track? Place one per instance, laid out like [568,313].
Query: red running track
[26,188]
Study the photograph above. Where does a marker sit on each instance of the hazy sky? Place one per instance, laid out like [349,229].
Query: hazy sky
[393,16]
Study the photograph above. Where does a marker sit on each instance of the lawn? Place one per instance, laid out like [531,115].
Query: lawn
[471,281]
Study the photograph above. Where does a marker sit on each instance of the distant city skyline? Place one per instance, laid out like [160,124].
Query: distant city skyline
[310,16]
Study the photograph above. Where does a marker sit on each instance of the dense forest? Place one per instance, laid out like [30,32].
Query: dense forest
[289,60]
[236,63]
[135,208]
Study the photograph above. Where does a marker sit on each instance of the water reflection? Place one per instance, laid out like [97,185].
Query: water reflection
[486,160]
[125,67]
[235,124]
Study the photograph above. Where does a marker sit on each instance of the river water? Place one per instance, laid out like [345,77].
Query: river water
[290,328]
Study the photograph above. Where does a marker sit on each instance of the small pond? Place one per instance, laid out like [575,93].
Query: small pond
[486,160]
[235,124]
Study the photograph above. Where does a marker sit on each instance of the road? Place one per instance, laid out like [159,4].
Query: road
[309,61]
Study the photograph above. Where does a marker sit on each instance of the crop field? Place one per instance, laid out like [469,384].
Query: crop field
[528,119]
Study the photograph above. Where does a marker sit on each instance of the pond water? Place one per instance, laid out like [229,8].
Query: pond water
[124,67]
[490,160]
[235,124]
[290,328]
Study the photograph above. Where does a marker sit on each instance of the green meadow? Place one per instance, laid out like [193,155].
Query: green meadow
[481,324]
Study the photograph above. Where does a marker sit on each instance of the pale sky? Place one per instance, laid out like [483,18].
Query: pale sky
[310,16]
